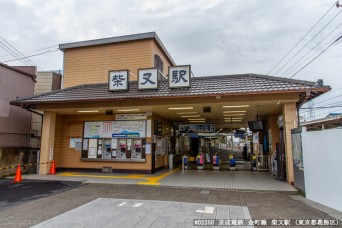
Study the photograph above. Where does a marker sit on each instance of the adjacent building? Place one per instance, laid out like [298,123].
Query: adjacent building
[46,81]
[15,122]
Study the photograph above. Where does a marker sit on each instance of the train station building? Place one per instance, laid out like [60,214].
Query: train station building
[126,105]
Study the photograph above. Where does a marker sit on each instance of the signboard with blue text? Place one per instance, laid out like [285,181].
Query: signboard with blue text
[196,128]
[115,129]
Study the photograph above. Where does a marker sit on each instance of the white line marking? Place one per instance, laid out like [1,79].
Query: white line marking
[137,204]
[207,210]
[121,204]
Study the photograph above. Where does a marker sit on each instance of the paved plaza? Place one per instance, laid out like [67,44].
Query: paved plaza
[169,198]
[232,180]
[148,200]
[104,212]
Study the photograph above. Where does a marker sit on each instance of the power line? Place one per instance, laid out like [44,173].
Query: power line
[310,56]
[301,38]
[324,107]
[12,53]
[42,53]
[308,42]
[4,47]
[325,113]
[316,57]
[311,50]
[21,54]
[30,51]
[329,99]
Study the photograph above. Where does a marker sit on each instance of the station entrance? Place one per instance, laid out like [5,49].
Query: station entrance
[225,150]
[204,126]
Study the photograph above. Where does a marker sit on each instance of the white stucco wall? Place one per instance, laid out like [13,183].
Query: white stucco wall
[322,155]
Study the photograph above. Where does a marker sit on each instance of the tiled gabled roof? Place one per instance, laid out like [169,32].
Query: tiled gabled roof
[241,84]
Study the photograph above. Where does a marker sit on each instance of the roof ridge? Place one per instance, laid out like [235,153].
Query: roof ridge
[283,79]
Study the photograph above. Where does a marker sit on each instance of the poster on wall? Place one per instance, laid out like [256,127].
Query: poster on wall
[85,144]
[148,148]
[73,141]
[297,152]
[256,137]
[92,148]
[115,129]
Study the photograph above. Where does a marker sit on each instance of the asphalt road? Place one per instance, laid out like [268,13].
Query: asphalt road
[12,194]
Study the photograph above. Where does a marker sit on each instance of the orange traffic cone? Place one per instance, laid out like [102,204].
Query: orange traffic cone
[53,168]
[17,177]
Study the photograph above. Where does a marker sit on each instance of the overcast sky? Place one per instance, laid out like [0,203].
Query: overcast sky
[216,37]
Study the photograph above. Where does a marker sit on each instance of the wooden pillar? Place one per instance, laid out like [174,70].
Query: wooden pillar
[274,131]
[290,121]
[47,142]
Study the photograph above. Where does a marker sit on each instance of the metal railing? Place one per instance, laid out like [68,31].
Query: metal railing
[263,162]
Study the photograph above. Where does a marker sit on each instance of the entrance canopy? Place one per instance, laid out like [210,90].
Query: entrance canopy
[228,101]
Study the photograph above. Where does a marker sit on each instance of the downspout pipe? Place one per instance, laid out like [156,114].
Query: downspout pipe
[41,130]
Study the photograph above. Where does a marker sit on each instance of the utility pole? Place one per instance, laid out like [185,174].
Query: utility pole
[311,110]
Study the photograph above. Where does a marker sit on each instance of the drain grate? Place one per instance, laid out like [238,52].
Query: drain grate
[205,192]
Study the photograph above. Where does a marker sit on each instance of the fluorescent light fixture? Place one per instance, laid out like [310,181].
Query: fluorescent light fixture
[232,115]
[88,111]
[129,110]
[196,119]
[235,106]
[232,120]
[191,116]
[180,108]
[184,113]
[233,111]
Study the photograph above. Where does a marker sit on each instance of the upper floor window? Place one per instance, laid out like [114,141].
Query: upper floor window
[158,63]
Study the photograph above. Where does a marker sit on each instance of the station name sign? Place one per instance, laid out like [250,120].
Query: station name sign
[179,77]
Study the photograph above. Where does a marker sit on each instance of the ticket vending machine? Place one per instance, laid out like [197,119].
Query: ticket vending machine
[122,149]
[137,149]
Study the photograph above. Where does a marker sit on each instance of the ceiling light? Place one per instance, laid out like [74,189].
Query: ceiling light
[196,119]
[89,111]
[233,111]
[191,116]
[184,113]
[236,106]
[234,114]
[129,110]
[232,120]
[180,108]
